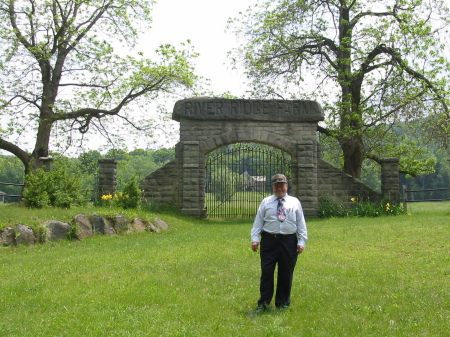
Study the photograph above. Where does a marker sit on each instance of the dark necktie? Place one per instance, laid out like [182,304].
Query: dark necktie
[281,211]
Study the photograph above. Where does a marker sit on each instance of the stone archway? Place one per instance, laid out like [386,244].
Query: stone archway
[209,123]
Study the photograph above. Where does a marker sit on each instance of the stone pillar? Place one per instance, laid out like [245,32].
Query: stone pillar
[304,176]
[47,163]
[107,183]
[192,187]
[390,182]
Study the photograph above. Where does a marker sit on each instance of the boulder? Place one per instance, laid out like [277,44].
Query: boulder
[161,223]
[119,223]
[25,235]
[137,225]
[152,228]
[8,236]
[101,225]
[56,230]
[83,226]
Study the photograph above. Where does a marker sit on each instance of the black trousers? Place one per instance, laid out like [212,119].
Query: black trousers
[278,250]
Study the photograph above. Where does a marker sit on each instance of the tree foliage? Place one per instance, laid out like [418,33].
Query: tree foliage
[373,65]
[64,72]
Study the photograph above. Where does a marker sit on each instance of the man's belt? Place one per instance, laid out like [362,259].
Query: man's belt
[276,235]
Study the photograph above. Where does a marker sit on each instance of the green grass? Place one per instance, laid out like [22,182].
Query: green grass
[238,204]
[386,276]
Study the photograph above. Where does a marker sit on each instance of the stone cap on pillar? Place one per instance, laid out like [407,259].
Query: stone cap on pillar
[107,161]
[390,160]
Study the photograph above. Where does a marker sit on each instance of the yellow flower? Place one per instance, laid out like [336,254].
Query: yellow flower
[388,206]
[106,196]
[353,199]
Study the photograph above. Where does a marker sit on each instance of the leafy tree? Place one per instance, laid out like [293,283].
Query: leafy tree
[62,76]
[162,156]
[89,161]
[117,154]
[440,179]
[135,166]
[371,64]
[138,152]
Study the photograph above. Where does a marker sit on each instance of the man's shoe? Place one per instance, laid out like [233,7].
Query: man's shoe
[261,308]
[283,306]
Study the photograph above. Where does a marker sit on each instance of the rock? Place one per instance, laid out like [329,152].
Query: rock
[152,228]
[25,235]
[161,223]
[119,223]
[101,225]
[56,230]
[8,236]
[137,225]
[83,225]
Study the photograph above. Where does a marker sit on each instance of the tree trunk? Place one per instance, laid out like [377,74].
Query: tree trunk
[352,150]
[350,138]
[41,147]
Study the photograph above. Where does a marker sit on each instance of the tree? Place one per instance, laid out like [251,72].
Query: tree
[371,64]
[162,156]
[61,74]
[89,161]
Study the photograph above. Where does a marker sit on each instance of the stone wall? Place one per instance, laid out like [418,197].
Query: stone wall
[332,184]
[161,186]
[340,187]
[210,123]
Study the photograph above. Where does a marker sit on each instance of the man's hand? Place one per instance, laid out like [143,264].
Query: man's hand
[255,246]
[300,249]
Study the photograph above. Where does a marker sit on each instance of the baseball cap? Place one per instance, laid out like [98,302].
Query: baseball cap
[279,178]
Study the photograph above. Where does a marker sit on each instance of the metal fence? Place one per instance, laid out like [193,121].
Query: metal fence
[4,195]
[238,177]
[408,195]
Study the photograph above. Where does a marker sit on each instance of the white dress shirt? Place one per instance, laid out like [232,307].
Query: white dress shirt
[266,219]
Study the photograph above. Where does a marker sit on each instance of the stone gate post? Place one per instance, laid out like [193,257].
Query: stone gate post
[390,183]
[192,179]
[304,176]
[47,163]
[107,183]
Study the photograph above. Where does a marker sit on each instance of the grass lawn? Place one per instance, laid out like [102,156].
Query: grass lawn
[387,276]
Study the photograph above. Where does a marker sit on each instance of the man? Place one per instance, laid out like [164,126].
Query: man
[280,229]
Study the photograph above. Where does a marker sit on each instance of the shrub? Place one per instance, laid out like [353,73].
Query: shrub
[362,208]
[328,209]
[131,195]
[129,198]
[53,188]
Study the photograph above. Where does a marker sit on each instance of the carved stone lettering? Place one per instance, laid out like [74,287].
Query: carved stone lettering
[241,109]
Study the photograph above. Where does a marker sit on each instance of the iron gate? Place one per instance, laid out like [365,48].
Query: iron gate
[238,177]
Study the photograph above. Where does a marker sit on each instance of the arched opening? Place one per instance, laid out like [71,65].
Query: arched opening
[238,178]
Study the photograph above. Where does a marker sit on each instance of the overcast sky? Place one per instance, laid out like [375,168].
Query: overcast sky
[204,23]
